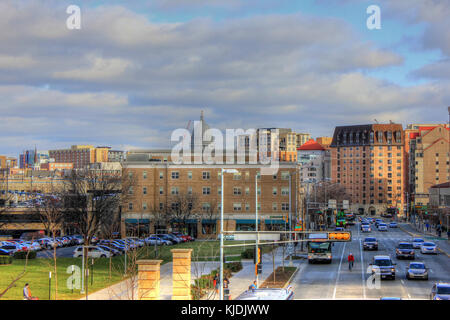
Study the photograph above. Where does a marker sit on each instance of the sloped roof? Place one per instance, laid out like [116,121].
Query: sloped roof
[311,145]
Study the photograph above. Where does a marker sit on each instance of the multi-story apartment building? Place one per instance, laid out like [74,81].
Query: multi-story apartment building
[7,162]
[324,141]
[314,160]
[302,138]
[369,161]
[288,146]
[80,155]
[161,186]
[429,153]
[116,155]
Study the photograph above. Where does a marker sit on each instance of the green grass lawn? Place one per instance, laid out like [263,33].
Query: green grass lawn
[38,269]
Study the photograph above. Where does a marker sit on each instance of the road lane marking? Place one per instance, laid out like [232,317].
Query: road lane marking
[339,271]
[362,265]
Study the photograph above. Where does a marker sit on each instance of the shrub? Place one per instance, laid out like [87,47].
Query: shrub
[5,259]
[23,255]
[248,254]
[233,266]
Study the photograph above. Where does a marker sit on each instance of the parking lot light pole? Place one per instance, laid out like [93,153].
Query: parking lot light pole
[256,223]
[82,270]
[221,231]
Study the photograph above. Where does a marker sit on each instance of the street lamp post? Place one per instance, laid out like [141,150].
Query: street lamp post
[221,231]
[256,225]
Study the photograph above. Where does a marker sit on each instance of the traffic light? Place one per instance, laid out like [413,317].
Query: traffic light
[258,268]
[257,257]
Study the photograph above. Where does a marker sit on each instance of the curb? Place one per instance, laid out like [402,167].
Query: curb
[416,234]
[291,278]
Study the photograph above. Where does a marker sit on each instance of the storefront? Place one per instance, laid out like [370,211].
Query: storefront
[275,225]
[246,224]
[137,227]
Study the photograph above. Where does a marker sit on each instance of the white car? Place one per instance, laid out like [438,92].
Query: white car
[93,252]
[382,227]
[366,228]
[428,247]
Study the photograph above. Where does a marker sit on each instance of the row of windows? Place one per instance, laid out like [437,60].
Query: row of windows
[206,206]
[206,175]
[207,190]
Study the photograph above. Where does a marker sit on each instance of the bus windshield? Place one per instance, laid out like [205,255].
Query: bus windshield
[319,247]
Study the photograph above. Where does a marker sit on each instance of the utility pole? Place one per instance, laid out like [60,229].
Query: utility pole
[256,225]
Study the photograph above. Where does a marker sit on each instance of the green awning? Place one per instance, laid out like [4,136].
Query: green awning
[275,221]
[137,221]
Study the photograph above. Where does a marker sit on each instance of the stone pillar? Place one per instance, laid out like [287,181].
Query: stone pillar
[181,274]
[148,279]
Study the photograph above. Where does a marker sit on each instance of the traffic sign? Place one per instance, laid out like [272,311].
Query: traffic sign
[332,204]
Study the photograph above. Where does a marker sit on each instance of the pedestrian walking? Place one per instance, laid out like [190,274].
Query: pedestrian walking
[253,286]
[216,282]
[351,260]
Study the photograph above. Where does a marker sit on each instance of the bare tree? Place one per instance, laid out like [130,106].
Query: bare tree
[183,207]
[92,198]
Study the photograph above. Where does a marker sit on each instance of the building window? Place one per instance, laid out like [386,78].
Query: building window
[285,207]
[161,190]
[130,190]
[274,206]
[237,206]
[205,175]
[206,207]
[161,175]
[247,207]
[237,191]
[206,190]
[174,190]
[247,190]
[274,191]
[130,206]
[144,190]
[189,190]
[189,174]
[175,174]
[144,206]
[144,174]
[237,176]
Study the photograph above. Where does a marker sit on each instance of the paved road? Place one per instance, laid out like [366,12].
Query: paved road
[335,281]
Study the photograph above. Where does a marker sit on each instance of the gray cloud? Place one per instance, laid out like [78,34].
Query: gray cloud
[124,80]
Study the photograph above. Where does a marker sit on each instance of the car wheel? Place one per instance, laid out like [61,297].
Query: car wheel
[103,256]
[393,277]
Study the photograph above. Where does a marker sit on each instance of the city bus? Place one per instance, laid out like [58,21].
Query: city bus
[319,248]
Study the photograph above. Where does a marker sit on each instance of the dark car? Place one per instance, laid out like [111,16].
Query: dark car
[405,250]
[4,252]
[370,244]
[384,266]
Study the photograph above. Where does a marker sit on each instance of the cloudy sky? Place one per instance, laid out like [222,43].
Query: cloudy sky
[136,70]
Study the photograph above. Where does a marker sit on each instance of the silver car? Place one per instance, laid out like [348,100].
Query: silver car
[417,242]
[417,270]
[428,247]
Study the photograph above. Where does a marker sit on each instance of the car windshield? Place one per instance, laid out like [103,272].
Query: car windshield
[417,266]
[383,262]
[443,289]
[382,225]
[429,244]
[370,240]
[418,240]
[319,247]
[405,246]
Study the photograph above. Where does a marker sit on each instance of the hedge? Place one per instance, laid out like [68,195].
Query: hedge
[23,255]
[233,266]
[5,259]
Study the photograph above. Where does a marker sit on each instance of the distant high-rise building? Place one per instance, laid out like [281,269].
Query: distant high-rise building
[80,155]
[324,141]
[302,138]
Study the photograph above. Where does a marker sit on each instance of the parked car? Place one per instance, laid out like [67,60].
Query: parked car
[12,248]
[79,239]
[370,244]
[393,225]
[33,246]
[137,241]
[440,291]
[416,270]
[384,266]
[405,250]
[175,238]
[185,237]
[382,227]
[165,237]
[114,252]
[4,252]
[428,247]
[417,242]
[93,252]
[339,229]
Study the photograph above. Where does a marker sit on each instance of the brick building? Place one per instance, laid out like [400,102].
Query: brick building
[160,185]
[80,155]
[369,161]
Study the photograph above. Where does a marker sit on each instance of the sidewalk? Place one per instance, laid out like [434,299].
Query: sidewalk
[244,278]
[127,290]
[442,242]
